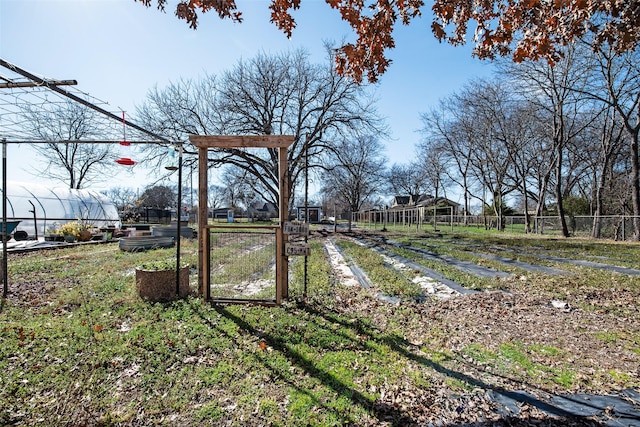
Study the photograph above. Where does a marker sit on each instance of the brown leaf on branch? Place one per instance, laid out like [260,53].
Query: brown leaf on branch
[524,29]
[281,16]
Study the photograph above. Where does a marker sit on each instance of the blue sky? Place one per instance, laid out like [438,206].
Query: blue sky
[118,50]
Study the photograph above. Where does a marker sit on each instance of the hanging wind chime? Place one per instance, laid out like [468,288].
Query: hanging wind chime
[125,147]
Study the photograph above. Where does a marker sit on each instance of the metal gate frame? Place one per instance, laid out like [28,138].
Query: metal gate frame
[204,143]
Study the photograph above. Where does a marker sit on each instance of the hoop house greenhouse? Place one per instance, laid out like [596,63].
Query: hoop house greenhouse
[47,208]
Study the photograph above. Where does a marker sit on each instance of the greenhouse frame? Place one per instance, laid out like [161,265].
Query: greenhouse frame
[42,209]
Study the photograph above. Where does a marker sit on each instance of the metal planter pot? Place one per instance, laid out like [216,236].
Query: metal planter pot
[170,230]
[143,243]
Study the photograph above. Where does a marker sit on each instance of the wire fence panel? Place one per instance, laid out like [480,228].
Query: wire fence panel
[243,263]
[615,227]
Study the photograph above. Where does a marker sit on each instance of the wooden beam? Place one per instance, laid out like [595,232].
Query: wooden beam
[242,141]
[282,291]
[11,84]
[204,242]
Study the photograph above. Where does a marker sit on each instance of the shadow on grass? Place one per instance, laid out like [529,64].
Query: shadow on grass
[299,360]
[384,412]
[509,398]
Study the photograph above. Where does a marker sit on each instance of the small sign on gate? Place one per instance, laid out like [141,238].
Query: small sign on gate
[297,249]
[296,228]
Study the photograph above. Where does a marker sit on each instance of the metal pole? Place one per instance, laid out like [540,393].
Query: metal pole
[451,207]
[5,285]
[35,218]
[191,189]
[179,212]
[384,219]
[306,207]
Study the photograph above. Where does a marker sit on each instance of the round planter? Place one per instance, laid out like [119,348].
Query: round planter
[170,230]
[160,285]
[143,243]
[85,236]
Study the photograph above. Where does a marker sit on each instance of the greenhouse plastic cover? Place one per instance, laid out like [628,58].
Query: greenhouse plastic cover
[55,206]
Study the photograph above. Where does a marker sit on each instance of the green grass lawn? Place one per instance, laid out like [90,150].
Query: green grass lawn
[79,347]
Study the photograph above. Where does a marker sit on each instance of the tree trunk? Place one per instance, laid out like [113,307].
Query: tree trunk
[597,220]
[542,189]
[607,154]
[498,210]
[635,186]
[465,191]
[527,217]
[563,222]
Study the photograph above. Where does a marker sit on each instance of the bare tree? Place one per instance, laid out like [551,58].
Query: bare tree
[553,89]
[281,94]
[355,172]
[608,133]
[183,108]
[453,129]
[616,83]
[158,196]
[523,135]
[487,105]
[333,205]
[239,187]
[432,162]
[217,196]
[76,164]
[408,179]
[122,197]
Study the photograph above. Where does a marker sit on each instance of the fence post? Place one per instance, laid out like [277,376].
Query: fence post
[451,207]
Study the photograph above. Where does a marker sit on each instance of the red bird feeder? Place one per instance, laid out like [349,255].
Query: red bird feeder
[124,160]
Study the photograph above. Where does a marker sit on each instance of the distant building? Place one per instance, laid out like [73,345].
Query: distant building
[315,214]
[400,201]
[425,201]
[222,214]
[443,205]
[262,213]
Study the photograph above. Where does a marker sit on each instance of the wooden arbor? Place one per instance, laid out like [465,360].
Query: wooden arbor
[204,143]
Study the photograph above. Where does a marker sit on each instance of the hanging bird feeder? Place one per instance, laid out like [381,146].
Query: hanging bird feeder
[125,147]
[125,161]
[171,159]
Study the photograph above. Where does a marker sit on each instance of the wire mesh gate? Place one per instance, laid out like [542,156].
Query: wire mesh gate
[242,263]
[278,145]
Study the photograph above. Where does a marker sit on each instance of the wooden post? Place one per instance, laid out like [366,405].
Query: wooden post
[283,180]
[204,241]
[204,142]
